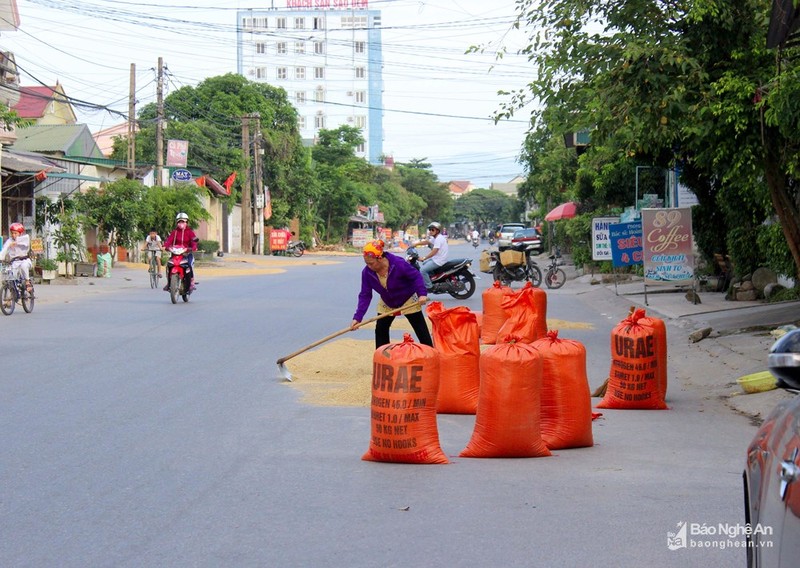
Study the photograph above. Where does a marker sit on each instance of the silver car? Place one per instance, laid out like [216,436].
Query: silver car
[506,233]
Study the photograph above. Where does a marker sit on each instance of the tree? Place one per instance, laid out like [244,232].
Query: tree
[209,116]
[486,207]
[418,178]
[685,84]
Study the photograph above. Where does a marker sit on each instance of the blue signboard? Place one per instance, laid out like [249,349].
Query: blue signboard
[626,243]
[182,175]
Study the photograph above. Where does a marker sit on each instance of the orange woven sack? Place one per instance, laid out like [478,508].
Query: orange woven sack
[507,424]
[493,313]
[633,381]
[405,382]
[527,315]
[456,339]
[566,400]
[660,331]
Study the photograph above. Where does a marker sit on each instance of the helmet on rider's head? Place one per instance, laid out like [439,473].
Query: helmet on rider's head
[16,228]
[435,225]
[181,217]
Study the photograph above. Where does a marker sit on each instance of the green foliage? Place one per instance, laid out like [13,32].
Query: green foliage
[486,207]
[162,204]
[786,295]
[208,246]
[68,237]
[418,178]
[47,264]
[772,246]
[116,211]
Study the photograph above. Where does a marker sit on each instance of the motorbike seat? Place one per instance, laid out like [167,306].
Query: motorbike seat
[452,263]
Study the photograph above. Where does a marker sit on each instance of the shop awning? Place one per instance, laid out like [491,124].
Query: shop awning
[21,162]
[67,175]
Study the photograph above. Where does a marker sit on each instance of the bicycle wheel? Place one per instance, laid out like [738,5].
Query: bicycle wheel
[8,298]
[535,274]
[555,278]
[174,287]
[28,299]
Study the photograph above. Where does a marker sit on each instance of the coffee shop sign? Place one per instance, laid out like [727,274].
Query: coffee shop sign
[329,4]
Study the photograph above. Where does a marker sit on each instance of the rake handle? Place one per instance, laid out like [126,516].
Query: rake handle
[282,360]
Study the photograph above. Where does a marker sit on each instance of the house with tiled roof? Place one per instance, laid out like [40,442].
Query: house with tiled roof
[45,105]
[458,188]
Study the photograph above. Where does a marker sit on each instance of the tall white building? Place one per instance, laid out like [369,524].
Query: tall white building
[328,59]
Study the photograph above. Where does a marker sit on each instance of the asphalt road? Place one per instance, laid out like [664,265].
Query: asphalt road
[134,432]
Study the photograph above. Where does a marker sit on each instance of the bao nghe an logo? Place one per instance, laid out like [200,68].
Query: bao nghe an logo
[677,539]
[720,536]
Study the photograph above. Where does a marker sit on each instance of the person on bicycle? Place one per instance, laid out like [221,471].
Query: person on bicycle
[438,255]
[153,245]
[16,250]
[183,236]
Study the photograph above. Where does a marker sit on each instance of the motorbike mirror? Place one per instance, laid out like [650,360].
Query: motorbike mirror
[784,360]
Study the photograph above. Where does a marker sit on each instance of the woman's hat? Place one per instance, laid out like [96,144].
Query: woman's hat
[374,249]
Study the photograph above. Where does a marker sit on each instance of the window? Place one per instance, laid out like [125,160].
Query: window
[319,95]
[319,72]
[361,72]
[354,21]
[300,97]
[319,120]
[299,23]
[261,72]
[360,148]
[319,47]
[280,48]
[280,23]
[301,122]
[299,47]
[318,23]
[282,73]
[360,121]
[261,47]
[360,96]
[360,47]
[299,72]
[254,23]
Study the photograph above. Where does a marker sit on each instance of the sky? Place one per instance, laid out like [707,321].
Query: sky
[438,101]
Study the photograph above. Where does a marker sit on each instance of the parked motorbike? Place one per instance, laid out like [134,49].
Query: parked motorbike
[179,273]
[527,270]
[492,238]
[454,278]
[296,248]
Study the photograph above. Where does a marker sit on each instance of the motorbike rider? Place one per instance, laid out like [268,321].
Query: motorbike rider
[437,257]
[476,236]
[183,236]
[17,250]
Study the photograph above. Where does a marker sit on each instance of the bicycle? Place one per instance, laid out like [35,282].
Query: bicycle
[13,291]
[153,269]
[554,277]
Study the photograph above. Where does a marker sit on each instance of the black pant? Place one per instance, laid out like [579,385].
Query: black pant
[417,321]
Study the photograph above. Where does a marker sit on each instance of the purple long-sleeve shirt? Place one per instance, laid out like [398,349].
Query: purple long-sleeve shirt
[402,282]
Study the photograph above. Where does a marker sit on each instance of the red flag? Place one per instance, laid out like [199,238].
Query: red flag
[229,182]
[201,181]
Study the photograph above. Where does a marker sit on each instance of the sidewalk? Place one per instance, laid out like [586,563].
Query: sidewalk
[739,335]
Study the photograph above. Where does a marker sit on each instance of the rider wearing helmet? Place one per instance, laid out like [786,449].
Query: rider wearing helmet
[16,250]
[437,256]
[183,236]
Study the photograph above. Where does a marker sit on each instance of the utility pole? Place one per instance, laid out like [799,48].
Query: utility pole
[258,202]
[160,121]
[132,125]
[247,221]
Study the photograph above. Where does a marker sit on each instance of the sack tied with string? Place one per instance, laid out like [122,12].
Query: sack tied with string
[405,383]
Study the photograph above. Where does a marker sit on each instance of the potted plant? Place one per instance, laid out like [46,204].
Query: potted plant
[49,268]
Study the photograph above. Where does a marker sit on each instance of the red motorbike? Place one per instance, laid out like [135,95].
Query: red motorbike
[179,272]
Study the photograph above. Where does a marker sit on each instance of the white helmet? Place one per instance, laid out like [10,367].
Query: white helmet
[436,226]
[181,217]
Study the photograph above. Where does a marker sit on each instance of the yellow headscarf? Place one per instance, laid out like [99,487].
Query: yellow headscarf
[374,249]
